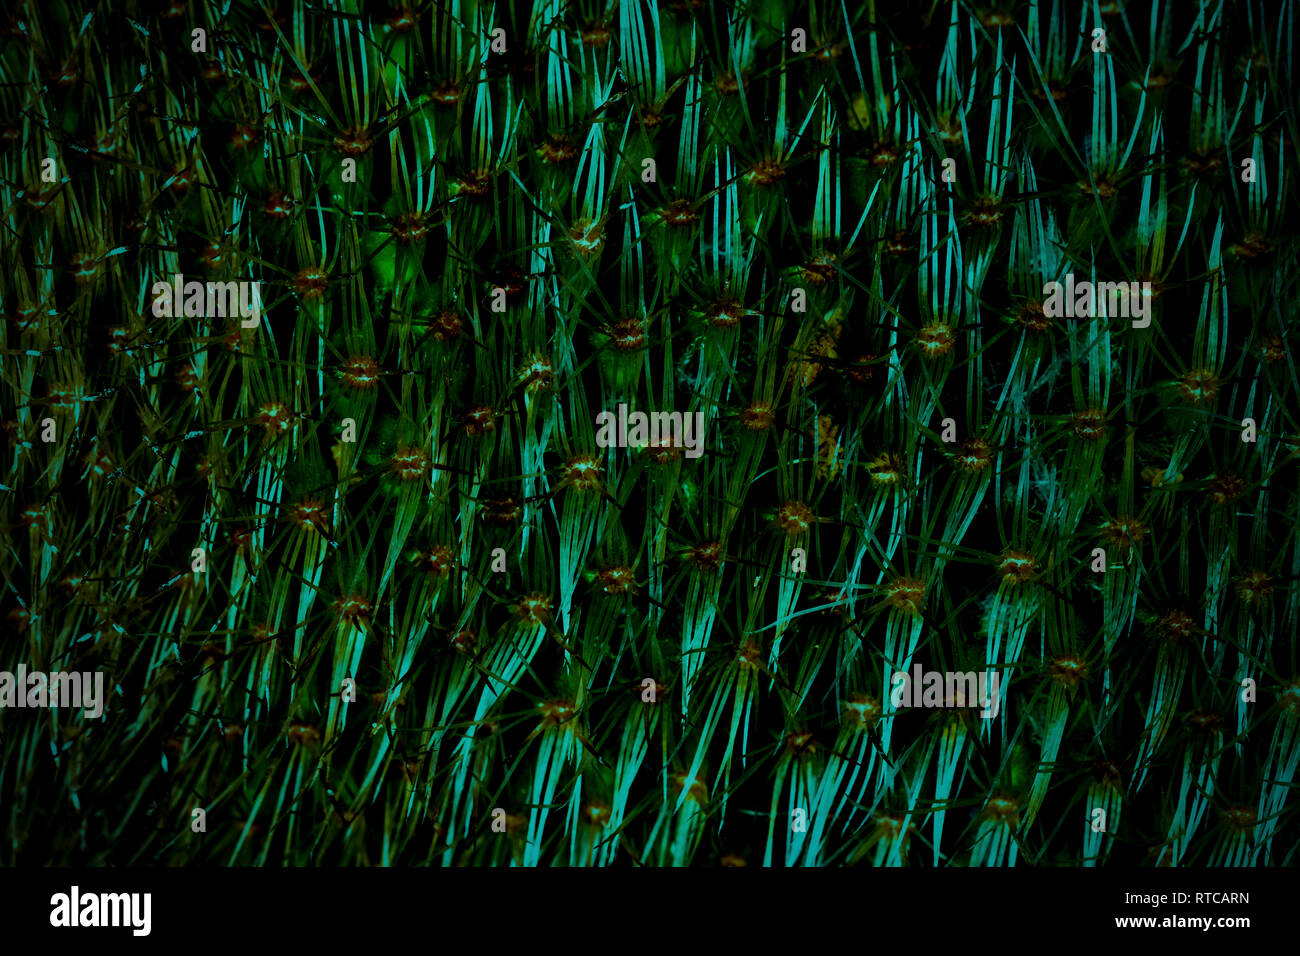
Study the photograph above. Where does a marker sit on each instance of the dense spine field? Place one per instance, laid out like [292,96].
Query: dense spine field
[364,585]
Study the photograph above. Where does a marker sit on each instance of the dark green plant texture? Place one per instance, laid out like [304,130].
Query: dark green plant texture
[465,257]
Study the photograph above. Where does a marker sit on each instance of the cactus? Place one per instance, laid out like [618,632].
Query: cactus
[985,313]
